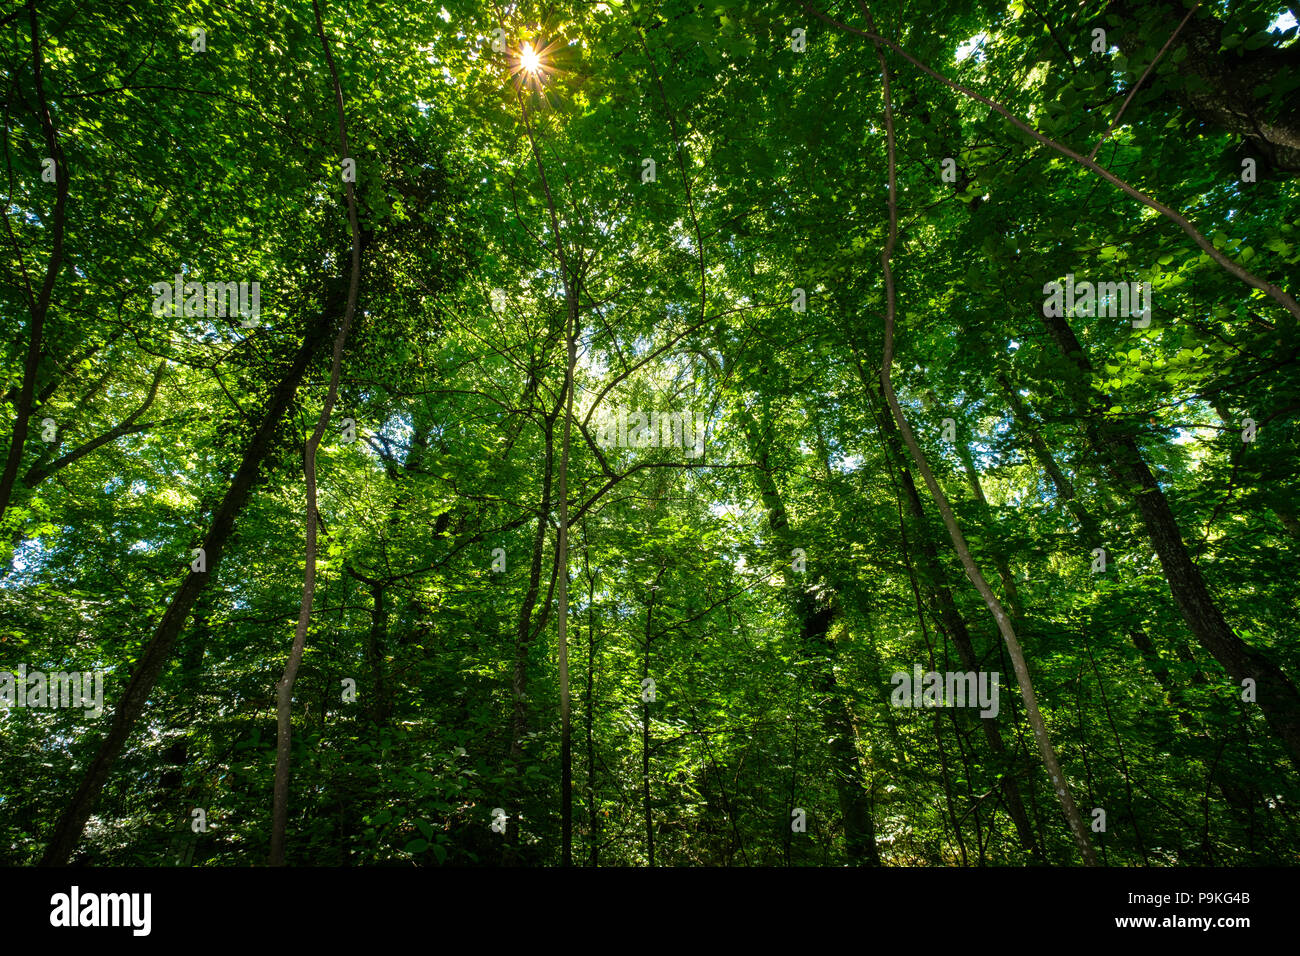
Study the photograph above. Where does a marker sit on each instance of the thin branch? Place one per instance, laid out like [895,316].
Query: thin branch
[36,474]
[1138,85]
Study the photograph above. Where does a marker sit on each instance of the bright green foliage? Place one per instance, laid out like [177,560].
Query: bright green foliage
[770,173]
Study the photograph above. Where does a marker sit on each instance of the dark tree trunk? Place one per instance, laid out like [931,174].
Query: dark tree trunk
[525,631]
[815,615]
[158,652]
[647,810]
[39,304]
[1090,536]
[593,817]
[1043,455]
[1220,86]
[1276,695]
[380,706]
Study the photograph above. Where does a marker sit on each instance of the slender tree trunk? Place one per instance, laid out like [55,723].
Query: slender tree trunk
[1043,455]
[904,550]
[284,689]
[38,473]
[1274,292]
[525,631]
[571,278]
[1059,784]
[1090,534]
[379,704]
[951,620]
[646,809]
[1036,722]
[593,817]
[566,731]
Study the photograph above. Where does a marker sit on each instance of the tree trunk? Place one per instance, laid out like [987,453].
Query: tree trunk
[1045,748]
[1091,536]
[1220,86]
[647,810]
[1043,455]
[815,615]
[379,705]
[571,279]
[525,631]
[593,817]
[284,689]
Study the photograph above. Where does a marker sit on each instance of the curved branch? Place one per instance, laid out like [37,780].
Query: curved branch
[37,474]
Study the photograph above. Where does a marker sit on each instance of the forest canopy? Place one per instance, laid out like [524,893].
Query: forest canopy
[649,432]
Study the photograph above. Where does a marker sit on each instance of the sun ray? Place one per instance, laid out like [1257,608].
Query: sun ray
[529,59]
[531,65]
